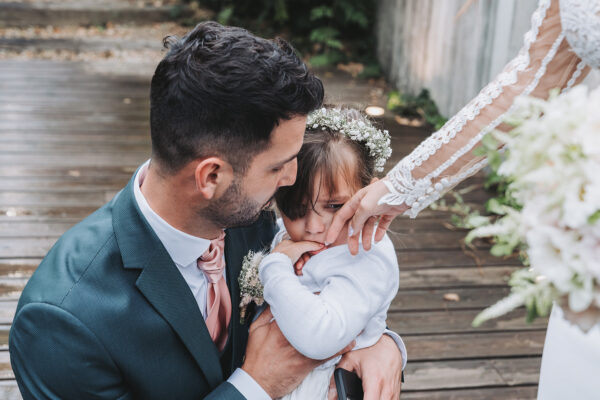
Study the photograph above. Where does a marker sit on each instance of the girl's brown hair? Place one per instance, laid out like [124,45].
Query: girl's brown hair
[322,158]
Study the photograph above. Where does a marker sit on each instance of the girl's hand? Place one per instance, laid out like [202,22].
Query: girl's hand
[298,265]
[294,250]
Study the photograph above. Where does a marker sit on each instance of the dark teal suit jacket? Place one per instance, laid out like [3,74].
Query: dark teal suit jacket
[107,315]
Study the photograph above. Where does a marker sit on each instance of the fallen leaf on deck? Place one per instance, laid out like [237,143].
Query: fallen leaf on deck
[451,297]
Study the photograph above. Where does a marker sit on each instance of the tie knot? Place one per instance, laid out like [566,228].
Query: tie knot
[211,262]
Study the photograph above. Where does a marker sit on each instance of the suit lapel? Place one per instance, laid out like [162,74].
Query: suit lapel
[235,244]
[162,284]
[164,287]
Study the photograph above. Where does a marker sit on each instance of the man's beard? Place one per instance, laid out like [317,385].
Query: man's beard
[233,209]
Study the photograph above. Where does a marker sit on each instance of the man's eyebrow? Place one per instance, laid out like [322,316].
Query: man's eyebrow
[287,161]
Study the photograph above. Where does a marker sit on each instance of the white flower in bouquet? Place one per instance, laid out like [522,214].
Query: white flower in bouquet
[553,165]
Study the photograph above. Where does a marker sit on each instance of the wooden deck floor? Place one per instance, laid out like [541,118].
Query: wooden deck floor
[69,140]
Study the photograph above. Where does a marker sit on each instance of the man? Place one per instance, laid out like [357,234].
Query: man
[138,300]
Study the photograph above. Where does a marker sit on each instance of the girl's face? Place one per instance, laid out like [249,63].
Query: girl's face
[315,223]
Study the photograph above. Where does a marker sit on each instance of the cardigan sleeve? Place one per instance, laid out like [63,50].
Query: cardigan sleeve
[355,290]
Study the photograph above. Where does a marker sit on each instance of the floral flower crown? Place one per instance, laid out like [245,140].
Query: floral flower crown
[355,126]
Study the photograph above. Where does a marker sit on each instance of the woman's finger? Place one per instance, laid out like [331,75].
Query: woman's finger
[382,227]
[343,215]
[367,233]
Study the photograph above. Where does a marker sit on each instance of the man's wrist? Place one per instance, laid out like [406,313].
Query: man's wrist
[247,385]
[400,343]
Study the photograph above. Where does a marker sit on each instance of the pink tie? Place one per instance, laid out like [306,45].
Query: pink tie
[218,300]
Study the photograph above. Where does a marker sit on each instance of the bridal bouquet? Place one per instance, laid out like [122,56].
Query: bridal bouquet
[552,162]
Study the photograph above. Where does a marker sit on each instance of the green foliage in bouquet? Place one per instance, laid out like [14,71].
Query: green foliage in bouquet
[420,106]
[325,32]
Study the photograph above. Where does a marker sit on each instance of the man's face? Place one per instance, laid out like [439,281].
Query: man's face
[248,195]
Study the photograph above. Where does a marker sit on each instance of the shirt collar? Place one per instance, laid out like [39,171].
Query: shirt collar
[183,248]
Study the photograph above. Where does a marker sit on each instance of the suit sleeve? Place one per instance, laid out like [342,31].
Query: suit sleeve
[55,356]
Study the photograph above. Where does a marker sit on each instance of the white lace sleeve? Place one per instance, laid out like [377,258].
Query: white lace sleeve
[545,61]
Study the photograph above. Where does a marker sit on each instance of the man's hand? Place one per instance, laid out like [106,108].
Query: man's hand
[272,361]
[379,367]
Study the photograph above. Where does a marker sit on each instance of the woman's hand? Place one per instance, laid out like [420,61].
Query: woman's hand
[294,250]
[364,212]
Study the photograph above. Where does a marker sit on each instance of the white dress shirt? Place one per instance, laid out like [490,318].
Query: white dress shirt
[184,250]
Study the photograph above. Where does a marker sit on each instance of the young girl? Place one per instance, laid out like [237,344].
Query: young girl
[338,297]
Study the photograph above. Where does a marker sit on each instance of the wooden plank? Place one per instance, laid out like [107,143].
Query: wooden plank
[5,369]
[44,212]
[79,160]
[433,299]
[33,229]
[26,247]
[431,375]
[35,185]
[474,345]
[458,321]
[91,139]
[454,277]
[18,267]
[11,291]
[9,390]
[4,330]
[443,239]
[491,393]
[34,147]
[25,199]
[415,258]
[23,171]
[7,314]
[52,124]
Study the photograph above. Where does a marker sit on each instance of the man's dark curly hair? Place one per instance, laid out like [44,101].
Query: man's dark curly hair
[221,91]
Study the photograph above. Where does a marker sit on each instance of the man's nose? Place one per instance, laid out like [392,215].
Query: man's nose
[289,173]
[314,223]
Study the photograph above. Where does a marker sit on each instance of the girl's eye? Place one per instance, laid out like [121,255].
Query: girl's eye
[335,206]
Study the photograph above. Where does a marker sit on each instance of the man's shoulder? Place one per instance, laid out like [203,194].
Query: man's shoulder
[90,242]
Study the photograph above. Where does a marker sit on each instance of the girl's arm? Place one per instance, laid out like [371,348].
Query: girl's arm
[320,325]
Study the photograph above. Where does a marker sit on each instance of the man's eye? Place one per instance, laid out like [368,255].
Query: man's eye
[277,169]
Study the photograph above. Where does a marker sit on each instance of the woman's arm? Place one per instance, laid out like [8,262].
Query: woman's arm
[446,158]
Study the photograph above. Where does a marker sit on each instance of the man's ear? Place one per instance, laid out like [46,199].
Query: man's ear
[213,175]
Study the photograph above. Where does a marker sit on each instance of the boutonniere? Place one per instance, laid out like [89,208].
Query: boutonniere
[251,289]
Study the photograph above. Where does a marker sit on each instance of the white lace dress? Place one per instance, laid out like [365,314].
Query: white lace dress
[559,50]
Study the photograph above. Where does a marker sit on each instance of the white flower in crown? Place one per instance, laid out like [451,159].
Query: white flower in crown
[357,127]
[251,289]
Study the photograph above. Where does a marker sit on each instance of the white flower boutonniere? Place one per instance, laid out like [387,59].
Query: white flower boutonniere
[251,289]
